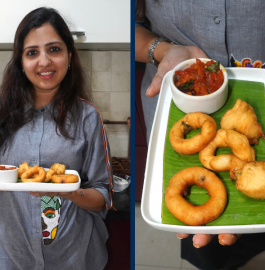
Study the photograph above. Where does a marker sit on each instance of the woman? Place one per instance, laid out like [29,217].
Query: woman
[169,32]
[45,118]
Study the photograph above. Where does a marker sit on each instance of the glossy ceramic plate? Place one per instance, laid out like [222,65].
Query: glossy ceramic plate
[42,187]
[152,196]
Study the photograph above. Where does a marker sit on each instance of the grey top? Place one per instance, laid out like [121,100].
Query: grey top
[52,232]
[228,31]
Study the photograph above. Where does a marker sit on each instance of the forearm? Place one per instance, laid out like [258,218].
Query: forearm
[88,199]
[143,40]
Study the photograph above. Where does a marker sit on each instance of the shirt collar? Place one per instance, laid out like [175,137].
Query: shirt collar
[29,106]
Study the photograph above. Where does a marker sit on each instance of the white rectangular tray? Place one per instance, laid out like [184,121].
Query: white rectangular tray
[151,203]
[42,187]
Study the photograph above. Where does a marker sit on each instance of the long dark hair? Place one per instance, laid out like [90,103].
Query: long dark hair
[139,10]
[16,89]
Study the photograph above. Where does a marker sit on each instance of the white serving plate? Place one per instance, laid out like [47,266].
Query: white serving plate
[151,203]
[42,187]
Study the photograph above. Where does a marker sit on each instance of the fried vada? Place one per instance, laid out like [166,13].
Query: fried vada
[250,180]
[34,174]
[58,168]
[22,168]
[49,175]
[239,144]
[185,211]
[67,178]
[195,144]
[243,119]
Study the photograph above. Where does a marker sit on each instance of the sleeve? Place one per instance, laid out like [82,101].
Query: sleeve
[145,23]
[96,168]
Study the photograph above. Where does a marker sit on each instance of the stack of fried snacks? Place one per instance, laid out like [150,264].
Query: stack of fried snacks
[56,174]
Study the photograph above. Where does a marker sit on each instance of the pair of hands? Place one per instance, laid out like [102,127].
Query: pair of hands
[201,240]
[172,57]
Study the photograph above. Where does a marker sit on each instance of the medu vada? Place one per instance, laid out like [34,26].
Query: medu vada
[34,174]
[243,119]
[195,144]
[250,180]
[239,144]
[192,214]
[49,175]
[22,168]
[58,168]
[66,178]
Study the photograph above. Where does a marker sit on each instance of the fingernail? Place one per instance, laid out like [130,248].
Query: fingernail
[179,237]
[148,91]
[195,245]
[221,242]
[194,241]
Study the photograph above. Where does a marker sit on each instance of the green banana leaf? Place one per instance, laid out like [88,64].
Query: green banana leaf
[240,209]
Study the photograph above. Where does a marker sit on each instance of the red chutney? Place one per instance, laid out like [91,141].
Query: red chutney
[200,78]
[3,168]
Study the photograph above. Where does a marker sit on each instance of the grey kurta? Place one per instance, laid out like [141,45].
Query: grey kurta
[226,30]
[79,239]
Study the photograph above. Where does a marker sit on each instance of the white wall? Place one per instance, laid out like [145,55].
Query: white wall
[105,22]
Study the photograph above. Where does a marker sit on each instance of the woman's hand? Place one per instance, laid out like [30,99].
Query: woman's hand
[61,194]
[88,199]
[166,54]
[170,55]
[201,240]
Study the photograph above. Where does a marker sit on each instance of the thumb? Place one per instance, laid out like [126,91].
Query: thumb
[155,86]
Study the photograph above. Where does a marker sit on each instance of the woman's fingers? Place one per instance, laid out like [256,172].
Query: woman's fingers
[155,86]
[35,194]
[182,235]
[172,57]
[227,239]
[201,240]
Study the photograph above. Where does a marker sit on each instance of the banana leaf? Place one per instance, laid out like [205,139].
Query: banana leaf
[240,209]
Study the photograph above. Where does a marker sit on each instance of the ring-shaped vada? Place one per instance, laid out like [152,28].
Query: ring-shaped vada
[185,211]
[239,144]
[34,174]
[189,122]
[49,175]
[67,178]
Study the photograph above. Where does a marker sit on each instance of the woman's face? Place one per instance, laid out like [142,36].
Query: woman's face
[45,58]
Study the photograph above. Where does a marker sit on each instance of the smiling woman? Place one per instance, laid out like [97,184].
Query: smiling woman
[45,119]
[41,28]
[45,61]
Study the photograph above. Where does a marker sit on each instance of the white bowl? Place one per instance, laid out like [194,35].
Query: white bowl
[9,176]
[207,104]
